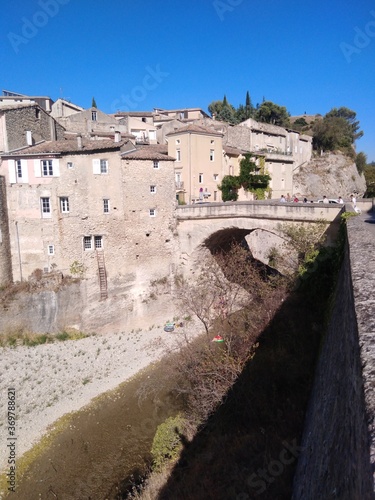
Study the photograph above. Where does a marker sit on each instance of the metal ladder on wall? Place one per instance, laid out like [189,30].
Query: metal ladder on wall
[102,275]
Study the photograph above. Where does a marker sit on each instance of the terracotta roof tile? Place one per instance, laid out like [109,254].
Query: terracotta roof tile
[152,152]
[197,129]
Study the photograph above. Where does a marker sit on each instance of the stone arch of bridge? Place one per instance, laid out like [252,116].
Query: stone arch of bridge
[258,240]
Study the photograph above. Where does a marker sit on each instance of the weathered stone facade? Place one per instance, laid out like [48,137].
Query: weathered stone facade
[17,120]
[96,207]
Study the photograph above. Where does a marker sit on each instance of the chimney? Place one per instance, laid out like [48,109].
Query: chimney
[79,141]
[117,136]
[29,137]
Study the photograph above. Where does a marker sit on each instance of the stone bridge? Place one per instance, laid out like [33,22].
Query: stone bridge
[337,453]
[215,225]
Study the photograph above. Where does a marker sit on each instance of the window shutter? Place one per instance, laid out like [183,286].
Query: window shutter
[12,171]
[96,166]
[56,167]
[25,172]
[37,168]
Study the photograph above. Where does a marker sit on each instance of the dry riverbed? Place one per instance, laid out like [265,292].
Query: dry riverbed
[53,379]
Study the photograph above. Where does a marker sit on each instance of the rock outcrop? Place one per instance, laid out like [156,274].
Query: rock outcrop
[331,174]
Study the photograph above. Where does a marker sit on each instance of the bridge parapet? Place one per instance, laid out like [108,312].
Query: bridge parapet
[308,212]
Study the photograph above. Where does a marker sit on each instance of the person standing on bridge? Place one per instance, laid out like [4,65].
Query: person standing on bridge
[282,199]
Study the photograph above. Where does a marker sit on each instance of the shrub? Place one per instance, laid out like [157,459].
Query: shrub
[167,444]
[62,336]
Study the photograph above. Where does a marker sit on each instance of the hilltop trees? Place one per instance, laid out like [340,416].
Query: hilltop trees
[339,129]
[370,180]
[226,112]
[270,112]
[223,111]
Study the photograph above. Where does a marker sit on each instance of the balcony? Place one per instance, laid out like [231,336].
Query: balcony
[270,151]
[142,140]
[180,185]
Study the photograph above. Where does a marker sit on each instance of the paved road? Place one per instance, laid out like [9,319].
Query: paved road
[369,220]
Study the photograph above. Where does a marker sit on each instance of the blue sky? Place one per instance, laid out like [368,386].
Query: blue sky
[308,56]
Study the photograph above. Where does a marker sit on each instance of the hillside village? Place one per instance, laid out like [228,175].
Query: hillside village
[95,194]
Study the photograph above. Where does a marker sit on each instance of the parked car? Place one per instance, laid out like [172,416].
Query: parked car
[330,200]
[169,327]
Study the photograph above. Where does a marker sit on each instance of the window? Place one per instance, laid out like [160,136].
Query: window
[64,204]
[156,164]
[200,178]
[212,154]
[93,116]
[37,113]
[51,249]
[215,195]
[47,168]
[46,207]
[103,166]
[87,243]
[100,166]
[216,177]
[98,240]
[19,169]
[152,189]
[178,155]
[69,164]
[152,212]
[106,205]
[178,141]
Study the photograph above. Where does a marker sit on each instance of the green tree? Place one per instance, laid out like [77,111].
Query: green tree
[93,103]
[300,124]
[245,112]
[223,111]
[215,107]
[369,172]
[361,162]
[270,112]
[332,133]
[339,129]
[350,117]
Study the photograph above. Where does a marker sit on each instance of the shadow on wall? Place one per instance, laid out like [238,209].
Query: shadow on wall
[250,447]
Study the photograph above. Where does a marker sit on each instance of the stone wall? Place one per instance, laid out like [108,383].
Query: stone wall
[45,311]
[337,454]
[30,118]
[5,256]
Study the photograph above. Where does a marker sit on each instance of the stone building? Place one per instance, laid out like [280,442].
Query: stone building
[92,123]
[199,163]
[62,108]
[139,124]
[26,124]
[99,208]
[9,98]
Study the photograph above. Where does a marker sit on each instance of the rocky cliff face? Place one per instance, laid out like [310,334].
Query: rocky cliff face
[331,174]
